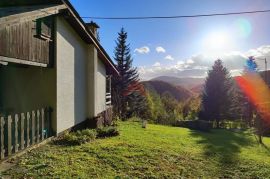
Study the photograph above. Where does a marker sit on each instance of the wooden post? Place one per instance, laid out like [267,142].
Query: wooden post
[48,119]
[38,117]
[33,129]
[42,124]
[27,130]
[2,149]
[16,144]
[9,135]
[22,130]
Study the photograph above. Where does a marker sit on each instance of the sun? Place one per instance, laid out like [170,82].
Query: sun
[217,42]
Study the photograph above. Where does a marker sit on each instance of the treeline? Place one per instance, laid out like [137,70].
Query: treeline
[223,98]
[131,98]
[165,109]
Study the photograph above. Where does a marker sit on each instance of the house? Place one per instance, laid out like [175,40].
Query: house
[54,74]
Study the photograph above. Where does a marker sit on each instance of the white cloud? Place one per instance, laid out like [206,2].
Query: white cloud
[142,50]
[198,65]
[180,62]
[190,61]
[169,57]
[157,64]
[160,49]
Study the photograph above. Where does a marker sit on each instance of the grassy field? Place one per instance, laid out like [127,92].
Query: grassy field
[155,152]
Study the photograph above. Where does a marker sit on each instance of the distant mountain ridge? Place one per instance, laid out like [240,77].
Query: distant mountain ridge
[187,83]
[160,87]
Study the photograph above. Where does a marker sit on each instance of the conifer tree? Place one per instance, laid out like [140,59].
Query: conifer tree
[216,99]
[127,92]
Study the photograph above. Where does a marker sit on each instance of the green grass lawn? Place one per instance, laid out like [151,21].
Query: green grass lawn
[155,152]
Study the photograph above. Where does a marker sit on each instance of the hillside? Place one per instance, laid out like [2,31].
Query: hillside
[197,89]
[155,152]
[179,93]
[187,83]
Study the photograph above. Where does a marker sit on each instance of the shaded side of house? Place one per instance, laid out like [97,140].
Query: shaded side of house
[50,58]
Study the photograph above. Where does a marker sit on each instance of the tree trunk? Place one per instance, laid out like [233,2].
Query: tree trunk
[218,125]
[260,138]
[260,128]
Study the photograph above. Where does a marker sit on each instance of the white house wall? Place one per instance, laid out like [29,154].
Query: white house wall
[81,78]
[101,88]
[71,59]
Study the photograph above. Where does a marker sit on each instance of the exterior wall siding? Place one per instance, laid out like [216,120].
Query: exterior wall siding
[23,89]
[101,88]
[19,41]
[71,61]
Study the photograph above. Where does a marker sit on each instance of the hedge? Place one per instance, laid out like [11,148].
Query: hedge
[196,125]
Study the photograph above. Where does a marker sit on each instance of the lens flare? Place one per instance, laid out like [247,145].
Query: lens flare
[258,93]
[243,27]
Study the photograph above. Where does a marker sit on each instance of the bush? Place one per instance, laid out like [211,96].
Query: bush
[78,137]
[204,125]
[196,125]
[107,131]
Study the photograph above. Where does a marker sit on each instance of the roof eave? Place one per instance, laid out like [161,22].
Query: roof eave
[90,35]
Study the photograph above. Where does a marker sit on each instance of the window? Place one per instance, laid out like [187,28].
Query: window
[44,28]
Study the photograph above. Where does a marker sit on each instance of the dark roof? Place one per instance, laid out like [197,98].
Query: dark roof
[10,7]
[10,3]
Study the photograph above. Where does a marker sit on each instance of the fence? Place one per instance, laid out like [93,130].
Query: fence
[20,131]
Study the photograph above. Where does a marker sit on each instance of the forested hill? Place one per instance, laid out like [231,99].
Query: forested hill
[187,83]
[160,87]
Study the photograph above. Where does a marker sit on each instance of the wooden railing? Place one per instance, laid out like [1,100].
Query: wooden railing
[108,99]
[108,90]
[20,131]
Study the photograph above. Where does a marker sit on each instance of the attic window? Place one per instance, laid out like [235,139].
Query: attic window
[43,28]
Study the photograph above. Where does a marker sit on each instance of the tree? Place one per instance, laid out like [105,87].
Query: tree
[191,108]
[256,92]
[216,99]
[127,94]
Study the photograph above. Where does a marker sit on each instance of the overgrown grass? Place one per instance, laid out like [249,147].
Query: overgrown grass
[154,152]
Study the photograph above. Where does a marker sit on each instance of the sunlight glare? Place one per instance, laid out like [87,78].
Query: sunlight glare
[217,42]
[257,92]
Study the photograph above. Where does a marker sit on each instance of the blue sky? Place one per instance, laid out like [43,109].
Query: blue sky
[190,45]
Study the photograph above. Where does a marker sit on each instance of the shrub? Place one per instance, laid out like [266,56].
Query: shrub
[78,137]
[204,125]
[107,131]
[196,125]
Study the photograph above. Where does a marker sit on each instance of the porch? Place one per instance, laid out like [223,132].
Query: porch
[27,106]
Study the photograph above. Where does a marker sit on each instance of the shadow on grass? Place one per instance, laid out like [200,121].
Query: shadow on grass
[223,146]
[266,147]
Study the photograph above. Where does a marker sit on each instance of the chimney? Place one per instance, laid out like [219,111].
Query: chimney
[92,26]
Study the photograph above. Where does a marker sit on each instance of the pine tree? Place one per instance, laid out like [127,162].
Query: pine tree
[127,92]
[216,99]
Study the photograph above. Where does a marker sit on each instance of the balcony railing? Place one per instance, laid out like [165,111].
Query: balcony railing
[108,99]
[108,91]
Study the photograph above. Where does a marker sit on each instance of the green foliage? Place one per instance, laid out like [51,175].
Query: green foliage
[108,131]
[127,92]
[196,125]
[216,99]
[156,110]
[240,108]
[78,137]
[191,108]
[156,152]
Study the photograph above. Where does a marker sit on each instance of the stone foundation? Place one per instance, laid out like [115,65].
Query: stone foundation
[105,118]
